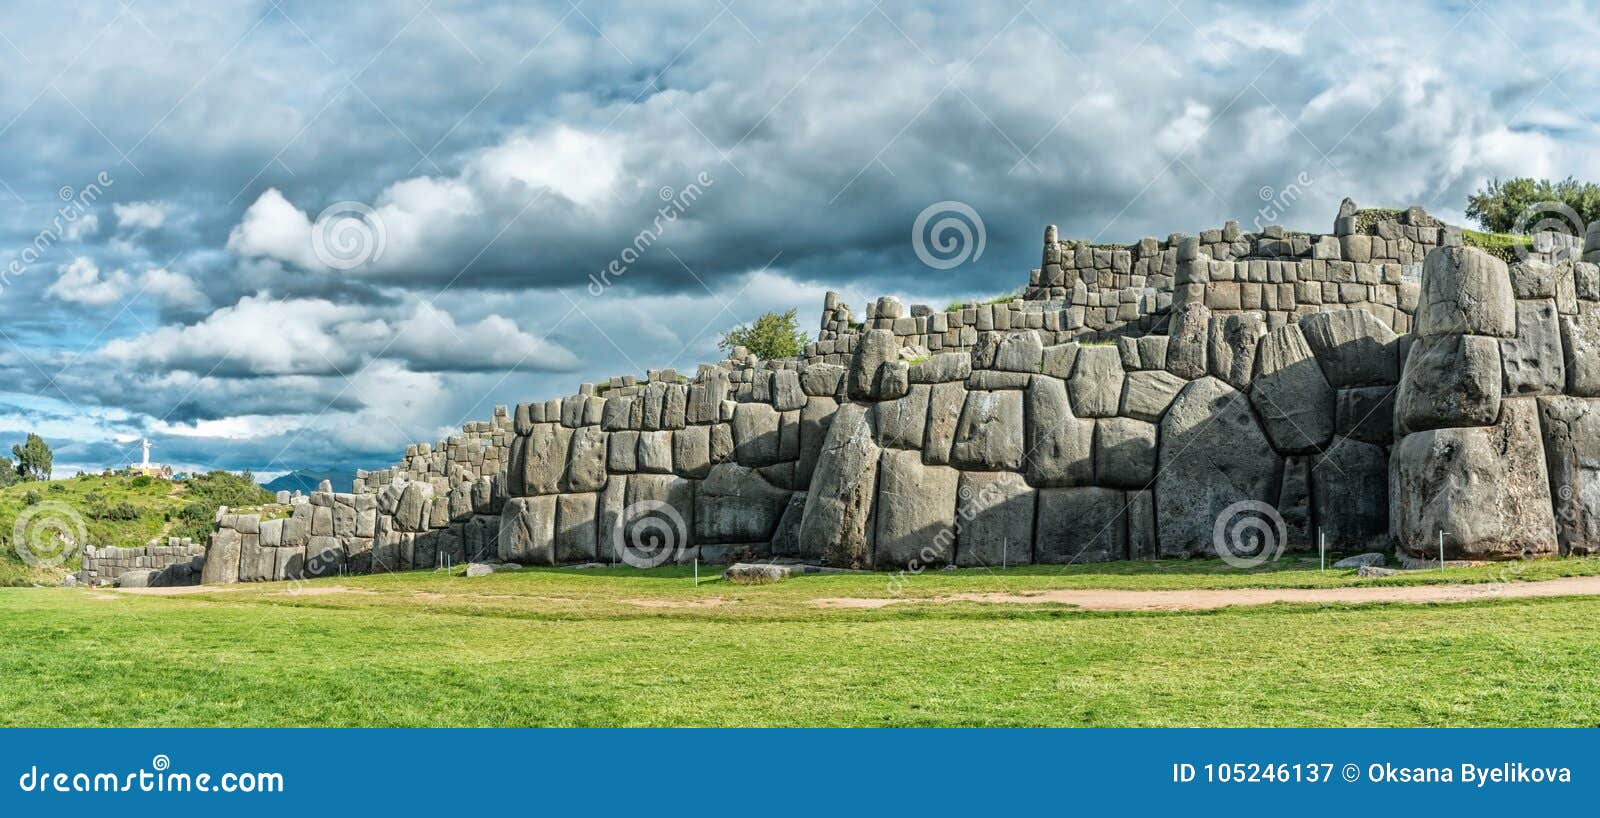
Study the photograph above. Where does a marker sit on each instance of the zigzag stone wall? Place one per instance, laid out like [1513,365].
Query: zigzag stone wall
[1135,402]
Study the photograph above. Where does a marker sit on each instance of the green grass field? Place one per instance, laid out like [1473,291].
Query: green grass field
[622,647]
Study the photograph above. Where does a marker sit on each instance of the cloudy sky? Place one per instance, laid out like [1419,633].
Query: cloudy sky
[275,235]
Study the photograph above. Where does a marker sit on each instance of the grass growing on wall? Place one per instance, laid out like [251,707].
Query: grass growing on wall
[1501,245]
[624,647]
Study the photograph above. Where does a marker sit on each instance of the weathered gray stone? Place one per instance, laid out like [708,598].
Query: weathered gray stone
[622,452]
[271,533]
[1096,383]
[837,524]
[1350,490]
[691,452]
[945,404]
[1078,525]
[1449,380]
[1366,414]
[1531,363]
[1187,333]
[734,504]
[1290,392]
[994,514]
[1571,428]
[823,380]
[1146,395]
[586,462]
[1212,454]
[1486,488]
[458,507]
[874,348]
[1371,558]
[222,558]
[1152,351]
[1465,290]
[654,454]
[544,459]
[416,503]
[1532,279]
[323,557]
[575,528]
[1353,347]
[787,395]
[528,530]
[901,422]
[674,406]
[915,509]
[1124,453]
[755,434]
[1020,351]
[989,435]
[1141,519]
[705,397]
[941,368]
[814,421]
[1231,346]
[1058,360]
[1580,341]
[1060,447]
[658,521]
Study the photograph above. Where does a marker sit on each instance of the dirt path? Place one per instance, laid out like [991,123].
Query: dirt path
[1198,600]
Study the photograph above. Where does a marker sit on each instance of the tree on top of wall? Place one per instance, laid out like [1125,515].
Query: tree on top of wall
[774,335]
[1499,206]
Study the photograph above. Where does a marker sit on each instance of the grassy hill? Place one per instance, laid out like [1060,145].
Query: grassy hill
[112,510]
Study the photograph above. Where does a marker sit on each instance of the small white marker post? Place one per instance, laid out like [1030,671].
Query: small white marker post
[1322,547]
[1003,544]
[1441,549]
[697,571]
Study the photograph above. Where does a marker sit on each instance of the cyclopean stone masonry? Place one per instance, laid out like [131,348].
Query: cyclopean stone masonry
[1381,386]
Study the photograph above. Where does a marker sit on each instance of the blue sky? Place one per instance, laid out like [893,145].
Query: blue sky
[510,151]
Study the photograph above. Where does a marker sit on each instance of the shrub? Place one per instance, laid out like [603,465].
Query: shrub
[774,335]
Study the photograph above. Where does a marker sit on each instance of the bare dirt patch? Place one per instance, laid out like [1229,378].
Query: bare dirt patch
[1197,600]
[677,603]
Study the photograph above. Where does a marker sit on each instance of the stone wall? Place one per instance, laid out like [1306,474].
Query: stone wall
[177,562]
[1252,397]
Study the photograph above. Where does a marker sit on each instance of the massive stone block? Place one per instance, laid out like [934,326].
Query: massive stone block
[416,503]
[1465,290]
[222,558]
[1571,428]
[1231,346]
[654,452]
[1212,454]
[734,504]
[1146,395]
[1188,333]
[916,508]
[1486,488]
[658,521]
[575,528]
[1350,492]
[691,452]
[1531,363]
[874,348]
[989,434]
[528,530]
[945,403]
[814,421]
[994,515]
[901,422]
[1124,453]
[1353,347]
[1078,525]
[1291,393]
[1580,341]
[1450,380]
[1096,383]
[622,452]
[544,458]
[1060,447]
[586,461]
[755,434]
[837,524]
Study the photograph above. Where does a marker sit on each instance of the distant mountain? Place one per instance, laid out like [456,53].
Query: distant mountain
[306,480]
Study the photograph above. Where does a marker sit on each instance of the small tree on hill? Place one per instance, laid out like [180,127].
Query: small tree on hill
[8,473]
[774,335]
[33,458]
[1499,205]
